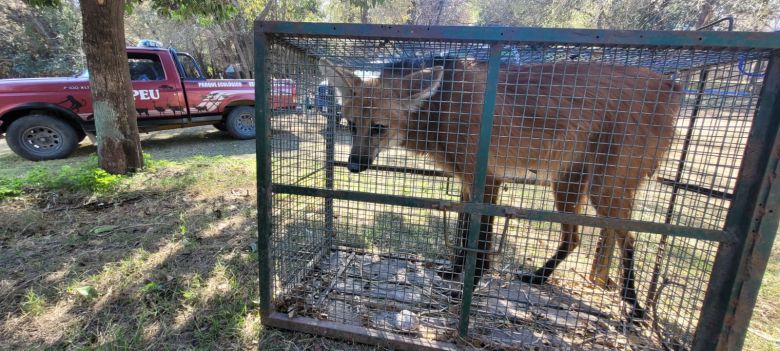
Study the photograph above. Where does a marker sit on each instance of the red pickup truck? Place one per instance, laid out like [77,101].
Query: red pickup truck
[46,118]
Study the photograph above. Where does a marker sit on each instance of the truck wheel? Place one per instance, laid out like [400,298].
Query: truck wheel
[240,122]
[41,137]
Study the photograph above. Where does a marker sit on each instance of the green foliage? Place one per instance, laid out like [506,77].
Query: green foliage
[86,177]
[40,40]
[351,10]
[43,3]
[10,187]
[304,10]
[82,177]
[215,10]
[152,165]
[189,292]
[88,292]
[150,287]
[33,302]
[365,3]
[627,14]
[182,224]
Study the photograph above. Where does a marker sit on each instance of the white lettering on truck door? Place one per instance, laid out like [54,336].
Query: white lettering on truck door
[146,94]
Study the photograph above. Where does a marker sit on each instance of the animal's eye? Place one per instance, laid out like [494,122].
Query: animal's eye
[378,129]
[352,127]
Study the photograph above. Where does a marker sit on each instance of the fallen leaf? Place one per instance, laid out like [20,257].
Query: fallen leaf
[87,291]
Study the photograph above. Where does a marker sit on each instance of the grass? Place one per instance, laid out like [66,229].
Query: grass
[33,303]
[163,259]
[765,324]
[85,177]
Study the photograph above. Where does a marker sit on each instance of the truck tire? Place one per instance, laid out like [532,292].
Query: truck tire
[41,137]
[240,122]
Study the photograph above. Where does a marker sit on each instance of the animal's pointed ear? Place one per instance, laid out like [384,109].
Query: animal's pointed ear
[421,85]
[341,78]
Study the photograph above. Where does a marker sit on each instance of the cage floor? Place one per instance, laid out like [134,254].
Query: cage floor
[403,294]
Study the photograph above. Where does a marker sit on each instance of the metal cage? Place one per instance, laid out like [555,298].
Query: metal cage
[513,188]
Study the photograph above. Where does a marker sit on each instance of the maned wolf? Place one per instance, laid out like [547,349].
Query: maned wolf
[598,130]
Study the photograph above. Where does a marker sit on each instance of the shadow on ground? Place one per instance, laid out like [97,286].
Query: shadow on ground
[172,145]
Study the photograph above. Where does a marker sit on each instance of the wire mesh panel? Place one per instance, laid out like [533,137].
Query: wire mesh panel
[508,194]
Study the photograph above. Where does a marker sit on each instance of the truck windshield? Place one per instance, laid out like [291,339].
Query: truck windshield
[191,70]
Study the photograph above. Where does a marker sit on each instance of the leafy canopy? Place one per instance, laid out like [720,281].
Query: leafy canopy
[214,10]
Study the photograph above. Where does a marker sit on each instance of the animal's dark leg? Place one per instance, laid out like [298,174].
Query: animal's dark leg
[485,238]
[460,254]
[484,245]
[568,189]
[569,241]
[628,292]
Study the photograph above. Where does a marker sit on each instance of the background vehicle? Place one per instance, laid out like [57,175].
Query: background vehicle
[45,118]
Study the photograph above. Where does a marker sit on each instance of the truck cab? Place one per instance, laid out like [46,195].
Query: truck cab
[46,118]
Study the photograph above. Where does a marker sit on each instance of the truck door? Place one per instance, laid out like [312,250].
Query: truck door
[156,88]
[204,97]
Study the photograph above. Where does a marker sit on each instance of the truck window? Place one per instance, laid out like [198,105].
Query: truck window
[145,67]
[191,70]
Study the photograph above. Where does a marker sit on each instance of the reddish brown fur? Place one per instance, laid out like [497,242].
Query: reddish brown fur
[597,130]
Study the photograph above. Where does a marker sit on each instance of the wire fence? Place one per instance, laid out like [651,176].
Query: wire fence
[586,213]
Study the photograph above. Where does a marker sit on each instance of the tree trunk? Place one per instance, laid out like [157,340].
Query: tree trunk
[118,144]
[364,13]
[705,13]
[438,13]
[235,38]
[412,12]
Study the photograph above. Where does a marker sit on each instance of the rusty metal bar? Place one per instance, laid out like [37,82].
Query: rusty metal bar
[761,227]
[263,155]
[330,160]
[478,187]
[354,333]
[503,210]
[695,189]
[438,173]
[723,313]
[714,39]
[763,233]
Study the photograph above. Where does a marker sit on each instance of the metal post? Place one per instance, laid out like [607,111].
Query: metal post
[330,157]
[651,291]
[676,185]
[752,220]
[263,154]
[478,188]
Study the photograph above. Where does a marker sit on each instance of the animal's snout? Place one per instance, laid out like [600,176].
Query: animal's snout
[358,164]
